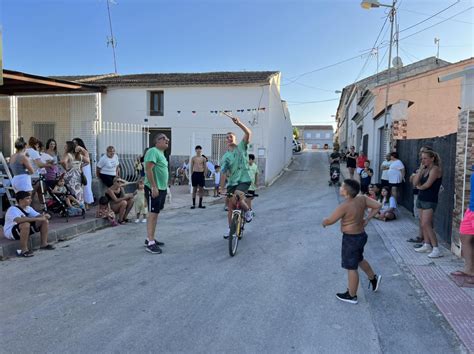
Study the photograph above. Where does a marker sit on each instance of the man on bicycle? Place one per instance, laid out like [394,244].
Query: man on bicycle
[235,166]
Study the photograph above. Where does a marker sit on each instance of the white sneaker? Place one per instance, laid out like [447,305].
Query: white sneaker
[424,249]
[226,235]
[248,216]
[144,220]
[436,253]
[137,221]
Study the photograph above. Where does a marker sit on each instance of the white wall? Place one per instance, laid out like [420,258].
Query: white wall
[129,105]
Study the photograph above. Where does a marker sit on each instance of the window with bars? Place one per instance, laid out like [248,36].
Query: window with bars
[219,147]
[156,103]
[44,131]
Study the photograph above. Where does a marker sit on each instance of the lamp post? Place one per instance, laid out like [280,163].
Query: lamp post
[368,4]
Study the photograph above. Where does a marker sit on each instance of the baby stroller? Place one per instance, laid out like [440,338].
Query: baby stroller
[334,174]
[56,204]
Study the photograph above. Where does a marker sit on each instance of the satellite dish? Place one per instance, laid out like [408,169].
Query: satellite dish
[397,62]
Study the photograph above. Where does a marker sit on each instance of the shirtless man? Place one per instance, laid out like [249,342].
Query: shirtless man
[198,170]
[351,213]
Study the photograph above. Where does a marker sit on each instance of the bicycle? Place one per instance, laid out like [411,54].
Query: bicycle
[237,224]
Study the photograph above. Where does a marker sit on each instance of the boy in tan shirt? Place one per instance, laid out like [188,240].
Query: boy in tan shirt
[351,213]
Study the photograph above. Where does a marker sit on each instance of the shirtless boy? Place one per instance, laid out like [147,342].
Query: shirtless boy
[198,171]
[351,213]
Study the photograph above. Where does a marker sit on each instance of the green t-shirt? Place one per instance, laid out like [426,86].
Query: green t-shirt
[160,170]
[253,170]
[235,164]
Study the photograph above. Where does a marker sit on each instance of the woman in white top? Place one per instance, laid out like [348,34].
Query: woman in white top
[86,169]
[389,208]
[396,174]
[108,167]
[33,153]
[385,167]
[73,168]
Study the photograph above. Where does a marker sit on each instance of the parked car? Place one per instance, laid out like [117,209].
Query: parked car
[297,146]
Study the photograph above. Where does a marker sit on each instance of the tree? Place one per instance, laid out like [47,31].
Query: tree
[296,133]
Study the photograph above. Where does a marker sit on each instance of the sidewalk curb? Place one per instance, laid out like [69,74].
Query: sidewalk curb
[8,247]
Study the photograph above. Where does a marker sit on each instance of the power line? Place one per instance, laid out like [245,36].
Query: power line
[295,78]
[443,18]
[438,23]
[426,19]
[297,103]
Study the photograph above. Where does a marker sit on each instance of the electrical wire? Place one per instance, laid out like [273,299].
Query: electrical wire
[443,18]
[429,18]
[438,23]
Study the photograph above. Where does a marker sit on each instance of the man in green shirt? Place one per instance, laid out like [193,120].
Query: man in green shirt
[235,166]
[156,184]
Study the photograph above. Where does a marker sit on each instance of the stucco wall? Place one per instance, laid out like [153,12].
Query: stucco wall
[435,105]
[187,129]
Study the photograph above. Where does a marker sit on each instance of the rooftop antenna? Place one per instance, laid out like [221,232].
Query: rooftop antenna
[436,41]
[111,40]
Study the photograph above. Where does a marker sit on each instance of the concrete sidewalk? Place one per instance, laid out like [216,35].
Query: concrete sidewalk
[60,230]
[431,275]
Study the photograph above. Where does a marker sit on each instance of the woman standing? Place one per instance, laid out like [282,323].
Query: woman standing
[33,153]
[428,181]
[81,151]
[351,161]
[52,171]
[396,174]
[120,202]
[20,167]
[385,167]
[360,160]
[108,167]
[72,176]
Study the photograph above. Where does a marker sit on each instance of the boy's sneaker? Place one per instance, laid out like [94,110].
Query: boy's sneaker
[154,248]
[157,242]
[248,215]
[375,282]
[436,253]
[347,298]
[137,221]
[144,221]
[424,249]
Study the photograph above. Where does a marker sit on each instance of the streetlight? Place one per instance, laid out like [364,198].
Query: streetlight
[368,4]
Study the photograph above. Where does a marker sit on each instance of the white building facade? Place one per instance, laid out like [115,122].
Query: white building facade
[188,108]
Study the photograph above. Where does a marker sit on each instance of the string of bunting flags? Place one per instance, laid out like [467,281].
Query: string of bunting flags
[222,112]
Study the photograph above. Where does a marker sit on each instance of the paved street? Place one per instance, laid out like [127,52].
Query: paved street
[102,292]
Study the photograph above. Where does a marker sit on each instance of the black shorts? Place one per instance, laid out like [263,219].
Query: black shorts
[108,180]
[352,251]
[384,182]
[364,188]
[197,179]
[351,163]
[243,187]
[16,230]
[155,205]
[397,185]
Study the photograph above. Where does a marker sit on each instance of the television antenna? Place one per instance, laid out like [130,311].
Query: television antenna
[436,41]
[111,40]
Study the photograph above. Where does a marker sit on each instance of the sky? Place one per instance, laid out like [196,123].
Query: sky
[305,40]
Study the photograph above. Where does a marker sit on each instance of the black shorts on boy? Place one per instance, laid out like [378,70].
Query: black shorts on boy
[352,252]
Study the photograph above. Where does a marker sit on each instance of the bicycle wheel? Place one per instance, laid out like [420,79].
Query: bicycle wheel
[234,234]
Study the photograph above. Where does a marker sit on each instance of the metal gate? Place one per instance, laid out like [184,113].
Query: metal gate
[445,146]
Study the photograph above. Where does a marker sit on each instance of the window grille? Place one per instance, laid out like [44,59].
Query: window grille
[219,146]
[5,137]
[43,131]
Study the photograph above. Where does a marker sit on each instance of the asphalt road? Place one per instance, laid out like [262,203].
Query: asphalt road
[102,292]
